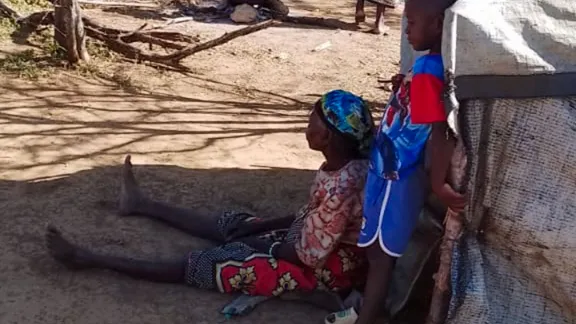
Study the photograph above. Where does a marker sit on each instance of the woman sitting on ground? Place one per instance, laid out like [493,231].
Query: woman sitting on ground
[316,249]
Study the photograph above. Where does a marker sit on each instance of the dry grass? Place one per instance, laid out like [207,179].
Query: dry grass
[47,59]
[8,25]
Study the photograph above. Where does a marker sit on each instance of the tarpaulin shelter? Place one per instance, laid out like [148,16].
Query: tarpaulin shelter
[511,65]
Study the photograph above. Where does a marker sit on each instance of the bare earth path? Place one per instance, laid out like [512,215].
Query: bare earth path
[227,135]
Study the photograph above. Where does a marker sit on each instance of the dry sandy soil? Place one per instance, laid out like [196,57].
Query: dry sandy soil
[228,135]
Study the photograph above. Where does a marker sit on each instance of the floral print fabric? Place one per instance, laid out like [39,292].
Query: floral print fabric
[333,214]
[324,234]
[265,276]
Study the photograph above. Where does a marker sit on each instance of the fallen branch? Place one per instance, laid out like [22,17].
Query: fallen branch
[119,40]
[116,44]
[178,56]
[139,35]
[34,20]
[160,38]
[118,4]
[329,23]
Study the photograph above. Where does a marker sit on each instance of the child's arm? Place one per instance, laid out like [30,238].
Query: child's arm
[441,147]
[427,107]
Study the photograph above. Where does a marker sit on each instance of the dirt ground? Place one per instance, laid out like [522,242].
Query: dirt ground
[227,135]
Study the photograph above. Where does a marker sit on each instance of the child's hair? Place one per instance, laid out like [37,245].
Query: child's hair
[435,7]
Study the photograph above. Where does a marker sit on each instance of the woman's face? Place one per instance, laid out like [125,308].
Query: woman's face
[317,134]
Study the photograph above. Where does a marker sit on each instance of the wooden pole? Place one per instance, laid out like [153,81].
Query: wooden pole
[69,30]
[453,229]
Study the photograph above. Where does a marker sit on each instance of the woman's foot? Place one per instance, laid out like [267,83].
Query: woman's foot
[130,195]
[63,251]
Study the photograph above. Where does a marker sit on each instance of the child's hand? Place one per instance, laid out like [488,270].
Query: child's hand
[452,199]
[396,82]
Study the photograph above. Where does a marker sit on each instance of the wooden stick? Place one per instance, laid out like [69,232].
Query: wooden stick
[441,294]
[178,56]
[329,23]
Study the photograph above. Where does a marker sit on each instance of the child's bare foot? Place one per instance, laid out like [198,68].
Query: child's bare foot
[63,251]
[130,195]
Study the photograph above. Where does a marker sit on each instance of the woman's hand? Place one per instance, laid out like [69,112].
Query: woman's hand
[258,244]
[259,226]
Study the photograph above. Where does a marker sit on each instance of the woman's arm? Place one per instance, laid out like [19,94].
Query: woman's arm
[273,224]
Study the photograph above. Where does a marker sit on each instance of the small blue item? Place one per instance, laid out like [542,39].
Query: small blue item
[242,305]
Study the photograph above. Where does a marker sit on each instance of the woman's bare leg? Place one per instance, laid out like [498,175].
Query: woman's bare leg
[133,202]
[78,258]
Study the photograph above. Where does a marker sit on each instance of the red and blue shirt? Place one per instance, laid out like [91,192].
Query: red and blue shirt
[396,186]
[404,131]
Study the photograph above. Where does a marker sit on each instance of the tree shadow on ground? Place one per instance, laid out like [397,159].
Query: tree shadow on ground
[82,205]
[96,116]
[41,291]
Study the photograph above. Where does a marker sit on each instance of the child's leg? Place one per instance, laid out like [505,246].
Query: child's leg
[391,211]
[132,201]
[379,276]
[360,15]
[76,257]
[379,26]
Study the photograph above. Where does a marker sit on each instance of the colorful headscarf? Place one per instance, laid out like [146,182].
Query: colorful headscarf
[350,115]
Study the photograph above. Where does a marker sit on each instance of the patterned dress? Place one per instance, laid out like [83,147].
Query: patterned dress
[324,233]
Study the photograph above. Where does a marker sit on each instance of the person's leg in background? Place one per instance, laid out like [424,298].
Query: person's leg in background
[360,15]
[379,26]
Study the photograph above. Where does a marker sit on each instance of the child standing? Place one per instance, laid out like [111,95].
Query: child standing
[397,184]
